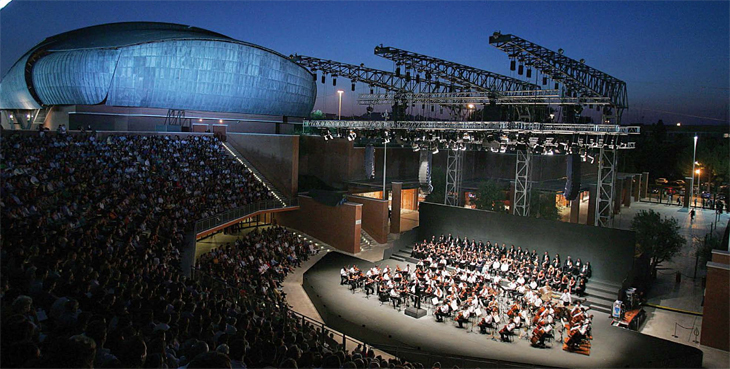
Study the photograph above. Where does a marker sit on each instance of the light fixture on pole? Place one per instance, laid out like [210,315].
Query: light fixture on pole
[699,180]
[692,183]
[339,108]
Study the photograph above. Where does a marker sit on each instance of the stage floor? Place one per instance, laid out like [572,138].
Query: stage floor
[382,325]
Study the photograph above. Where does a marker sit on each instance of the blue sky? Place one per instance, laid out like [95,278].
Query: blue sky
[674,56]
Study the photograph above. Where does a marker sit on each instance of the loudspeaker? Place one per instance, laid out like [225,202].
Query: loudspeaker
[370,161]
[572,184]
[424,171]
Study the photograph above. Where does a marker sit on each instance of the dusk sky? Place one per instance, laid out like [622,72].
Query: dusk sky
[674,56]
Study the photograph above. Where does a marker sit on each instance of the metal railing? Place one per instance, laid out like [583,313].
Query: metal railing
[241,213]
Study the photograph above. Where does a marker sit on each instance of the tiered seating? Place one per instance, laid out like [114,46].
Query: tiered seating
[91,237]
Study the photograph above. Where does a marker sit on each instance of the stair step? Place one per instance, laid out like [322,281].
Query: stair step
[597,296]
[609,286]
[601,287]
[394,257]
[601,308]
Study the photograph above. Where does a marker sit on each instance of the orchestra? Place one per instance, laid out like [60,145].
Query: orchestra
[496,288]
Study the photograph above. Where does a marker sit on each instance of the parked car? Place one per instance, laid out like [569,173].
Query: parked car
[678,182]
[661,181]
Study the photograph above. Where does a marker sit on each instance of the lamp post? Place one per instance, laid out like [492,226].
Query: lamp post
[699,180]
[339,107]
[692,183]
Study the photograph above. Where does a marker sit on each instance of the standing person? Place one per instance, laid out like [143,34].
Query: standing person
[692,214]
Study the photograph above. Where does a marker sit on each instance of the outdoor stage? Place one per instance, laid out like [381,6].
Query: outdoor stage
[382,326]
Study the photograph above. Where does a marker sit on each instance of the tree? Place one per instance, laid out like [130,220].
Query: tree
[543,205]
[317,114]
[490,196]
[658,238]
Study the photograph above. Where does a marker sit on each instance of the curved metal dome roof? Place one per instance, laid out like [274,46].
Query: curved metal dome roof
[115,35]
[160,65]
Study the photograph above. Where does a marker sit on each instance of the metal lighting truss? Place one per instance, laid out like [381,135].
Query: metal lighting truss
[575,75]
[532,127]
[453,177]
[605,187]
[373,77]
[536,97]
[522,183]
[477,79]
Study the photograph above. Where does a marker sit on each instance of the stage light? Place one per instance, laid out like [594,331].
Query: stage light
[432,108]
[520,69]
[371,90]
[334,81]
[544,80]
[529,72]
[512,64]
[557,86]
[397,71]
[314,77]
[323,78]
[418,78]
[353,86]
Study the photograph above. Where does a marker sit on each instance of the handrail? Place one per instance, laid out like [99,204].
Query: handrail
[219,219]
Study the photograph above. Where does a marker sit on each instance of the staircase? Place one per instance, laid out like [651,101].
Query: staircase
[366,241]
[40,117]
[235,154]
[599,294]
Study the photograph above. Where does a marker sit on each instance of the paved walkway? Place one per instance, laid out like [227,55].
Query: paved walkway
[687,294]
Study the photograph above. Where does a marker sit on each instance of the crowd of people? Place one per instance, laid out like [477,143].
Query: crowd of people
[490,286]
[91,253]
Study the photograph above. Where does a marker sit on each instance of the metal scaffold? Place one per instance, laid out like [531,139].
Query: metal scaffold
[605,188]
[522,183]
[453,177]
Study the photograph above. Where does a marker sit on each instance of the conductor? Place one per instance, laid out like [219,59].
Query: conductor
[417,294]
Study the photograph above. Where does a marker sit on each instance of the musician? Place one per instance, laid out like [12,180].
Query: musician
[383,292]
[369,284]
[585,270]
[461,318]
[507,330]
[485,323]
[395,298]
[566,298]
[441,312]
[417,295]
[343,275]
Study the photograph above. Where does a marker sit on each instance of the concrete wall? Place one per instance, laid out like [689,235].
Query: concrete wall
[275,156]
[610,251]
[338,226]
[716,312]
[374,216]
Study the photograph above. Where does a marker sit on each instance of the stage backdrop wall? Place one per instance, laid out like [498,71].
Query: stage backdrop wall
[610,251]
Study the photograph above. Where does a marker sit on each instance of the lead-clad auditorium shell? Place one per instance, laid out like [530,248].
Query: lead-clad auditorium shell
[157,65]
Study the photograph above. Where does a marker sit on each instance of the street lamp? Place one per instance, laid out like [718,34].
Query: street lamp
[699,180]
[339,108]
[692,183]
